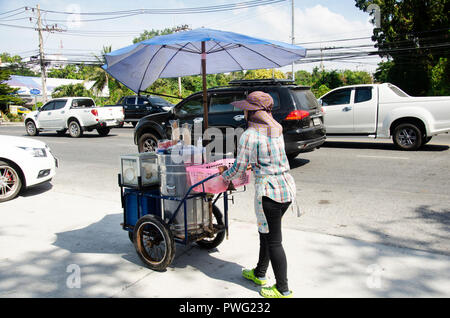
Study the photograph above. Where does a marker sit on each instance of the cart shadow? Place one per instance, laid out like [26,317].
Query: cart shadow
[107,237]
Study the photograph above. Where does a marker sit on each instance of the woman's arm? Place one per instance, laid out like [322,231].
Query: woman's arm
[247,146]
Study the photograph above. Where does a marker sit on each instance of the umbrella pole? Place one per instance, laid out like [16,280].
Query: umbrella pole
[205,94]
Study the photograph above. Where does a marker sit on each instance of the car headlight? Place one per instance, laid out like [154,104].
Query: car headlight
[35,152]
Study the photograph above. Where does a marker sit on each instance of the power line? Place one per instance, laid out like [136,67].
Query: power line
[206,9]
[12,10]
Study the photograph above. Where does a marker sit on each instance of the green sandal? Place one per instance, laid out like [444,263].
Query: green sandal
[250,275]
[272,292]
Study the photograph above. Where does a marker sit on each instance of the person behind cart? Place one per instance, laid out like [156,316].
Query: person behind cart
[262,146]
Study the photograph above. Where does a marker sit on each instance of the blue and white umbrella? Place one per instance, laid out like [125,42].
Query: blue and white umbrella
[200,51]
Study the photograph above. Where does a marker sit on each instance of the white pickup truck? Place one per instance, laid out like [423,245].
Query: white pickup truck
[385,111]
[73,114]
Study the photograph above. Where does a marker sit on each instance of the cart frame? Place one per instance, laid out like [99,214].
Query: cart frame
[141,192]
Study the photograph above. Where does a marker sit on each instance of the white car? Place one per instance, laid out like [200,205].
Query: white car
[385,111]
[24,162]
[73,114]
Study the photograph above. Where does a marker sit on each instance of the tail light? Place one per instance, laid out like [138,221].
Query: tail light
[94,112]
[297,115]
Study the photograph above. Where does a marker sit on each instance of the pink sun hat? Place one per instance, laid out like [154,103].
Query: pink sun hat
[255,101]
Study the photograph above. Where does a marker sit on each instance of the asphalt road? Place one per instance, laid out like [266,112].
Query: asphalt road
[356,188]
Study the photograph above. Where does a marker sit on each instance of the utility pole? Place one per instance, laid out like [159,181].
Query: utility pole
[41,57]
[52,28]
[293,38]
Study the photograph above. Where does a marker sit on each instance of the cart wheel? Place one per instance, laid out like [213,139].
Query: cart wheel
[210,243]
[154,242]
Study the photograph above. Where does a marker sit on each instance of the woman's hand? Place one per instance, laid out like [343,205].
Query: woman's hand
[222,169]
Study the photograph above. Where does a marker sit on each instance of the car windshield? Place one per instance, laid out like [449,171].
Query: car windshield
[304,99]
[158,101]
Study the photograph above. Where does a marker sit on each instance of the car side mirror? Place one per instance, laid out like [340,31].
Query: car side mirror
[320,102]
[39,109]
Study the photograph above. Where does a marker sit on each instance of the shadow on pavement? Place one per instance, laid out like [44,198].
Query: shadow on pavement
[36,190]
[107,237]
[86,135]
[298,162]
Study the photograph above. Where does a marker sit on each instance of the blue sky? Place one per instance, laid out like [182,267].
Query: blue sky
[320,20]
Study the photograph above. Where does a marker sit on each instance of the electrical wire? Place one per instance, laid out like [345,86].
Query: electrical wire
[207,9]
[12,10]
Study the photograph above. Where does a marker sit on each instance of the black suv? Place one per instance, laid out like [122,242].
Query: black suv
[135,107]
[295,108]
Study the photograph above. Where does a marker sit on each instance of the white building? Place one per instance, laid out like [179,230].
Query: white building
[27,83]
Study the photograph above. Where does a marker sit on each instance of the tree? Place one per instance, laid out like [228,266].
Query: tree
[414,34]
[70,71]
[152,33]
[70,90]
[440,78]
[7,93]
[15,65]
[303,78]
[383,72]
[263,73]
[99,76]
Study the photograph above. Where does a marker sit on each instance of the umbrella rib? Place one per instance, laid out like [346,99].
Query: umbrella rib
[180,49]
[225,47]
[199,51]
[146,69]
[261,55]
[230,55]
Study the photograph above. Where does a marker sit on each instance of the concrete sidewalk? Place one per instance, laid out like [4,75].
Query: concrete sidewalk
[50,236]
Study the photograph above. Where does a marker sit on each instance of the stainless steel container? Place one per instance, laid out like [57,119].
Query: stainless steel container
[175,182]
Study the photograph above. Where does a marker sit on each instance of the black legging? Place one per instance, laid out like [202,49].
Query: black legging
[271,248]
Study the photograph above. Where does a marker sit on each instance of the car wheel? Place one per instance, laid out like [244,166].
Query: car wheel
[103,131]
[407,137]
[75,130]
[31,128]
[10,183]
[147,143]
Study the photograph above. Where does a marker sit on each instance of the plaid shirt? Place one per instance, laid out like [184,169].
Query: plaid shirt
[270,165]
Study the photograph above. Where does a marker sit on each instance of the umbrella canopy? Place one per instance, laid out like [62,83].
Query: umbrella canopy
[185,53]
